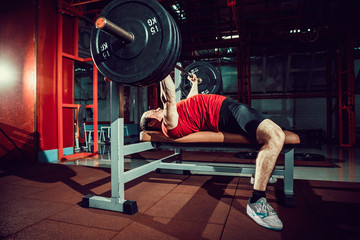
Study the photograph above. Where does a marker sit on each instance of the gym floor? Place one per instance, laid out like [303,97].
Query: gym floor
[43,201]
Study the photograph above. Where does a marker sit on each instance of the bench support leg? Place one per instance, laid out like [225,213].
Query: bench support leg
[179,158]
[117,201]
[290,200]
[178,152]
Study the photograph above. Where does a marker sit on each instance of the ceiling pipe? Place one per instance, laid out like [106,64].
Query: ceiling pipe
[232,4]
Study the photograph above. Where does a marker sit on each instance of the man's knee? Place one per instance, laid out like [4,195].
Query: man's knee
[278,136]
[268,131]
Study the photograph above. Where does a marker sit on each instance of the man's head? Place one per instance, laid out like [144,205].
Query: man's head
[151,120]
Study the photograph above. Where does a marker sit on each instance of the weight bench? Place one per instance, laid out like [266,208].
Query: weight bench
[209,141]
[222,141]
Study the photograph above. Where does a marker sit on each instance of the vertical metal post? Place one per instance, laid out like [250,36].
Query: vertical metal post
[76,36]
[248,74]
[95,108]
[329,91]
[117,161]
[117,142]
[177,76]
[60,86]
[239,81]
[289,173]
[346,93]
[244,75]
[340,95]
[117,201]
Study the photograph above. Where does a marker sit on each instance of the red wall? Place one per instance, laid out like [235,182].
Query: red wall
[47,85]
[28,103]
[47,77]
[47,50]
[17,93]
[68,80]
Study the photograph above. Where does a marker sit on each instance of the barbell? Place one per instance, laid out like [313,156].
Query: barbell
[145,48]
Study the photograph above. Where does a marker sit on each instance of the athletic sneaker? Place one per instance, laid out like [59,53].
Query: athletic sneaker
[271,180]
[263,214]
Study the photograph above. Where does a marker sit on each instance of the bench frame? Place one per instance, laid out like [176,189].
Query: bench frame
[119,150]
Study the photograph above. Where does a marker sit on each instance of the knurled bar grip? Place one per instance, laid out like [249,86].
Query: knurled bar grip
[113,29]
[116,31]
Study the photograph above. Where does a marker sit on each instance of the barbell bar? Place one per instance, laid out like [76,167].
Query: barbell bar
[111,28]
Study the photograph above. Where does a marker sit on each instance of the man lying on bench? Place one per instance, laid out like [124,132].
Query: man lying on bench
[200,112]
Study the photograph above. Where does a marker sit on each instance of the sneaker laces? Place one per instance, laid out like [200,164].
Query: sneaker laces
[266,208]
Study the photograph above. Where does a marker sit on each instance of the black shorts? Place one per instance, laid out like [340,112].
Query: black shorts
[236,117]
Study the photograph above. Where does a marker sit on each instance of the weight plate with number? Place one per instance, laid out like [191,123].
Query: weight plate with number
[209,79]
[175,54]
[176,51]
[148,55]
[179,42]
[164,69]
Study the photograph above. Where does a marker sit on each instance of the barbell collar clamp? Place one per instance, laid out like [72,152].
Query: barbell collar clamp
[114,30]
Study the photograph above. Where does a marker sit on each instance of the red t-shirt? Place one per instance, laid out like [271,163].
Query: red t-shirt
[197,113]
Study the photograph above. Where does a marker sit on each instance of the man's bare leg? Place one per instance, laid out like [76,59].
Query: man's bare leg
[272,136]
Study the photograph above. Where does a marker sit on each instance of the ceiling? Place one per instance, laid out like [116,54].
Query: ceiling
[266,26]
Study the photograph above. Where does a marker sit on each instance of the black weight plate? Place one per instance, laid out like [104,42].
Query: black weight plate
[175,49]
[166,67]
[211,78]
[174,54]
[179,42]
[163,70]
[134,63]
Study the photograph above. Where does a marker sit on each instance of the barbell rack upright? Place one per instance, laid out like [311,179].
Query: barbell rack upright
[119,150]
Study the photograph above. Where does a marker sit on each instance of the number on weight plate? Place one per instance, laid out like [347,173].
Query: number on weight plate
[104,50]
[152,22]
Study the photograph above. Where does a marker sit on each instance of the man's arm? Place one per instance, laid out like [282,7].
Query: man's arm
[194,86]
[168,97]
